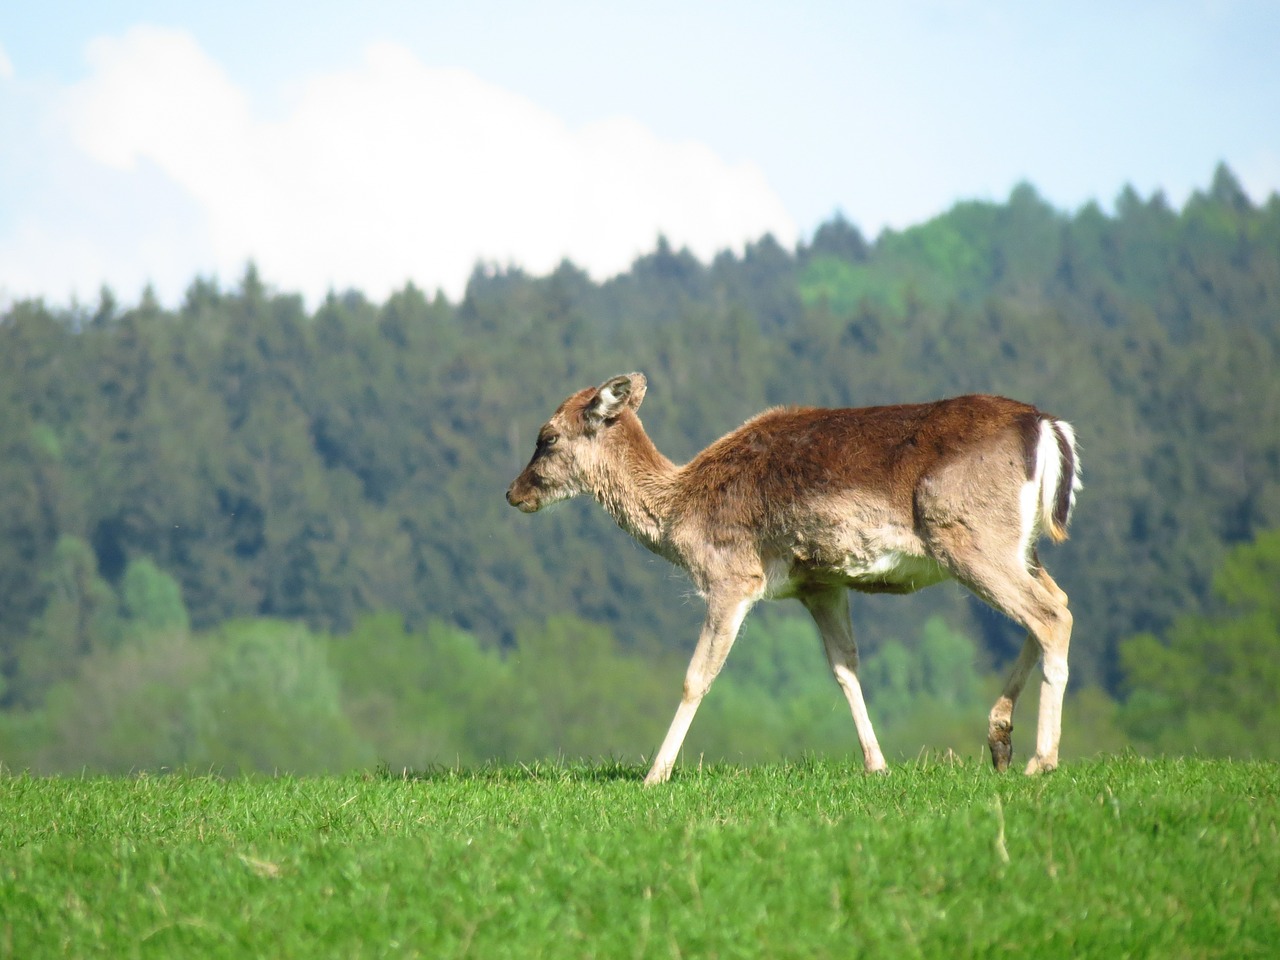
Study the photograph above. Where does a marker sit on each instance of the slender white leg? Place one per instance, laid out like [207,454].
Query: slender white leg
[724,618]
[1052,690]
[830,611]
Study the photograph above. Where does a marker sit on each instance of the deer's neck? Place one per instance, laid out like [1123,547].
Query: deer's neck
[635,485]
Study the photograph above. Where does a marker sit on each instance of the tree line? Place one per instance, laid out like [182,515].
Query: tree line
[240,459]
[263,695]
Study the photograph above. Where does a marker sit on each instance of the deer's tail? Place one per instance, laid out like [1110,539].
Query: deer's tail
[1057,473]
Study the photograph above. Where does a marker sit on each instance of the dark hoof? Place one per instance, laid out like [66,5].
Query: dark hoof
[1001,743]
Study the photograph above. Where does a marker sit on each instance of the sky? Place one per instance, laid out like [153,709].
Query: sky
[376,143]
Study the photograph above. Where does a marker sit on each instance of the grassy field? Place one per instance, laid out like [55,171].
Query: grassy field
[1109,858]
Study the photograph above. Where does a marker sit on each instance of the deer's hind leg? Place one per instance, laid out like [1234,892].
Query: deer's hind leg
[1000,720]
[997,572]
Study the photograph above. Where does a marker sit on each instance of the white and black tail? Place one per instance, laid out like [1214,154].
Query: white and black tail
[1056,476]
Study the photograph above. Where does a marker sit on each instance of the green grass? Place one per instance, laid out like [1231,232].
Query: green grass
[1109,858]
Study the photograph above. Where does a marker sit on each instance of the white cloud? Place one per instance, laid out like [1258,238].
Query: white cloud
[6,65]
[394,171]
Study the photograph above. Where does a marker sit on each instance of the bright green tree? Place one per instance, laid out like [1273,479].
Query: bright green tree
[1209,684]
[151,600]
[428,697]
[775,698]
[581,696]
[127,710]
[81,617]
[949,664]
[271,703]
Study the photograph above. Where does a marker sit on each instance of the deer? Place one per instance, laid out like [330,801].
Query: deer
[810,503]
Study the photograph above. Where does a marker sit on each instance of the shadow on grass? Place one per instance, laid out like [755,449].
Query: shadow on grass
[538,771]
[607,771]
[925,765]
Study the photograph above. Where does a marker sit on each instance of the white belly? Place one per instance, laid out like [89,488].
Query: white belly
[890,571]
[895,572]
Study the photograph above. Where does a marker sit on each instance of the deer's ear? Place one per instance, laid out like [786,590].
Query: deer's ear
[616,394]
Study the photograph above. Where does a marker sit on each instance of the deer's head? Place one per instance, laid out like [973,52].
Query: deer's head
[574,444]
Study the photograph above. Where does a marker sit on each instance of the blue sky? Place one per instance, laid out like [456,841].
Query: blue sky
[369,144]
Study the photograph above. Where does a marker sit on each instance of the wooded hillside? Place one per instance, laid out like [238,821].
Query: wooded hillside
[276,462]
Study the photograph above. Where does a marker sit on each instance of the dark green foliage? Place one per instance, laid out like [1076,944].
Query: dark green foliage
[322,466]
[1211,684]
[81,618]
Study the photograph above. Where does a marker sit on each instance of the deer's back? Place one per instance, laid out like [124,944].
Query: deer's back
[788,457]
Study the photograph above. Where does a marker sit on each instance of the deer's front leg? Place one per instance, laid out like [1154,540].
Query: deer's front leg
[725,613]
[830,610]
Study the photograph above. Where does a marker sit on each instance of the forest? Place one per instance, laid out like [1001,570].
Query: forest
[243,535]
